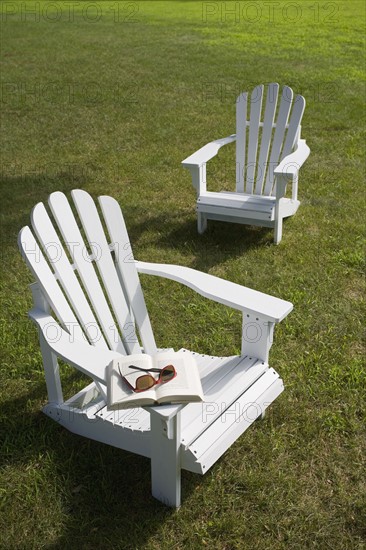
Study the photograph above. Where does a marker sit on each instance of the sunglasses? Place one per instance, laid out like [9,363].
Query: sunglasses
[147,381]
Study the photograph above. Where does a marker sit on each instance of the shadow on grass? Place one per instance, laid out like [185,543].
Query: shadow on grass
[105,492]
[220,242]
[20,194]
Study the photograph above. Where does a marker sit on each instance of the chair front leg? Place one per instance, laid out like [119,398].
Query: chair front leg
[201,222]
[281,182]
[257,336]
[278,223]
[52,373]
[198,174]
[165,459]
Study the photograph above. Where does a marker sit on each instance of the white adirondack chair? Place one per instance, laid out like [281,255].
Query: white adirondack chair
[264,163]
[89,308]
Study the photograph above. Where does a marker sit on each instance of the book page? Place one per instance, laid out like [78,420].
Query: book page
[131,374]
[119,390]
[186,383]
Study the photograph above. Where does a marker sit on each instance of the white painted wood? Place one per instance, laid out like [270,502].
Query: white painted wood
[165,459]
[226,212]
[255,116]
[220,396]
[213,371]
[285,107]
[257,336]
[293,127]
[271,104]
[241,117]
[83,423]
[292,132]
[289,166]
[280,191]
[71,234]
[49,286]
[225,292]
[90,360]
[207,152]
[155,432]
[56,254]
[95,234]
[52,372]
[239,200]
[125,261]
[233,414]
[270,142]
[234,430]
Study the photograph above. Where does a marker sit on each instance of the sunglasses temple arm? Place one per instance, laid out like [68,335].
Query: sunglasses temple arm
[144,370]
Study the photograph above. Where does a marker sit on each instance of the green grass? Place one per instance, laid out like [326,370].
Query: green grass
[116,106]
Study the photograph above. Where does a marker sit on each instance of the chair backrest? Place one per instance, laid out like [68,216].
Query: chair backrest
[90,283]
[266,138]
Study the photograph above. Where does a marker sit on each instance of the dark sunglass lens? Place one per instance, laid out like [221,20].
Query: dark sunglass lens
[145,382]
[167,373]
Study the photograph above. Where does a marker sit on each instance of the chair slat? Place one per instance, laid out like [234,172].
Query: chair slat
[57,256]
[50,288]
[271,103]
[118,233]
[285,106]
[94,231]
[255,116]
[244,374]
[293,127]
[241,117]
[70,231]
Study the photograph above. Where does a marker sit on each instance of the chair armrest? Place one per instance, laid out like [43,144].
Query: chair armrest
[225,292]
[207,152]
[291,164]
[89,359]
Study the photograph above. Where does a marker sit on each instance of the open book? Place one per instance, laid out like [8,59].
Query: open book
[183,388]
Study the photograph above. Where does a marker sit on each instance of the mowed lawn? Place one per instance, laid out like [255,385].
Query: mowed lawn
[110,97]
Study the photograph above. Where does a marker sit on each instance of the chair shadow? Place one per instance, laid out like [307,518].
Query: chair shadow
[19,194]
[220,242]
[105,491]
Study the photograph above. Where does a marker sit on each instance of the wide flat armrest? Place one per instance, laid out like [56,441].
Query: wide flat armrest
[225,292]
[207,152]
[89,359]
[291,164]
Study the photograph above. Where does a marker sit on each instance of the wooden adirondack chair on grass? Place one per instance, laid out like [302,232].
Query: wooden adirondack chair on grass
[89,307]
[264,164]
